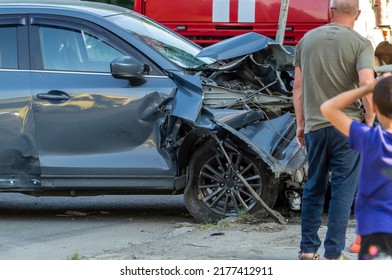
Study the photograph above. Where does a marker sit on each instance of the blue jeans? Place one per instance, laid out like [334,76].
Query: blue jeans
[328,151]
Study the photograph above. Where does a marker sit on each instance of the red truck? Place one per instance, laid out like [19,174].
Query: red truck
[209,21]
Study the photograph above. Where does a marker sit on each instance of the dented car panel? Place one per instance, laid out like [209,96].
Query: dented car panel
[236,46]
[117,132]
[267,140]
[113,103]
[246,44]
[188,100]
[18,149]
[276,136]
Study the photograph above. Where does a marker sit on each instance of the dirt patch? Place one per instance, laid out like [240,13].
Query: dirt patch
[232,238]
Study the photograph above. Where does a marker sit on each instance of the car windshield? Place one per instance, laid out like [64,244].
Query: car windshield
[174,47]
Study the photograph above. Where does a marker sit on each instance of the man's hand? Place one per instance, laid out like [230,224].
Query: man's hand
[300,136]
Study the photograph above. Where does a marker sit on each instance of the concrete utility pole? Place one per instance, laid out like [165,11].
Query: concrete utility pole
[284,10]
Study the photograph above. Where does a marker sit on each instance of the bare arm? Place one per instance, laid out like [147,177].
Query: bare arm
[332,109]
[297,100]
[366,77]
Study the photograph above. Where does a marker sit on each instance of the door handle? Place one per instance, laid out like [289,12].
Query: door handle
[55,95]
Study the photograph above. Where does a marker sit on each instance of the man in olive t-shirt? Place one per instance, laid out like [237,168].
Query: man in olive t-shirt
[329,60]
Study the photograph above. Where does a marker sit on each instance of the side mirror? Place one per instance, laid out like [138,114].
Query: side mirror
[128,68]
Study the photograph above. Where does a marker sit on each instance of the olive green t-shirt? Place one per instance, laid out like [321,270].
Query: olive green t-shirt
[330,57]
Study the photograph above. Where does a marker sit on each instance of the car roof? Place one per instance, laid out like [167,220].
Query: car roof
[99,9]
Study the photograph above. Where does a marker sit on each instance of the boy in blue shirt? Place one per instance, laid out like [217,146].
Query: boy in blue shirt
[373,204]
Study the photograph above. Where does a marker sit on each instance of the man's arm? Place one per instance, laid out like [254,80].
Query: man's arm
[297,100]
[332,109]
[366,77]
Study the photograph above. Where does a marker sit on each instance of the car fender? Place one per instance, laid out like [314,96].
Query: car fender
[273,141]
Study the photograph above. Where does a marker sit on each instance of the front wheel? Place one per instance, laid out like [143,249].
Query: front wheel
[216,191]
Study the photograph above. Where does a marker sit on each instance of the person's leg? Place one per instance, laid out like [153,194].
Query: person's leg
[356,245]
[377,246]
[314,192]
[344,164]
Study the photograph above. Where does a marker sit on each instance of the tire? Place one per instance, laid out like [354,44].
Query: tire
[215,191]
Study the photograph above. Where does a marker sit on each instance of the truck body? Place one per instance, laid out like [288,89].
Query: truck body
[206,22]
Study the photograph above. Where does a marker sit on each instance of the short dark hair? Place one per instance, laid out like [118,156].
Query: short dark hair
[382,96]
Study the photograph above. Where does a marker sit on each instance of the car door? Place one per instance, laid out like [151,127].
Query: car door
[89,124]
[19,162]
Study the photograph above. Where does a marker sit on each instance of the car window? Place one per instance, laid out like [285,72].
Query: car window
[8,48]
[67,49]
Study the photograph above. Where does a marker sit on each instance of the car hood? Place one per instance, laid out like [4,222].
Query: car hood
[246,44]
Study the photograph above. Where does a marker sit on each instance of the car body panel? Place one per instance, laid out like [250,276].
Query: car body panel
[236,46]
[249,43]
[66,6]
[90,129]
[117,131]
[19,152]
[188,100]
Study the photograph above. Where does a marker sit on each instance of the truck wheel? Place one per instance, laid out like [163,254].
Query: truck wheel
[216,192]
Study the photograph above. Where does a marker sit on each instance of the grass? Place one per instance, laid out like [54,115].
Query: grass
[205,226]
[74,256]
[243,216]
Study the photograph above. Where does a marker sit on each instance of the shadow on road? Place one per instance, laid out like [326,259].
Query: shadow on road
[19,205]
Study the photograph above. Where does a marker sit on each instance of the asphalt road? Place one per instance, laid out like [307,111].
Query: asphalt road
[51,228]
[137,227]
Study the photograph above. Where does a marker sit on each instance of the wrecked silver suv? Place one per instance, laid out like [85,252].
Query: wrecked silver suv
[96,99]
